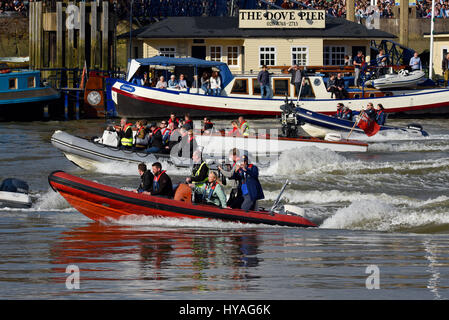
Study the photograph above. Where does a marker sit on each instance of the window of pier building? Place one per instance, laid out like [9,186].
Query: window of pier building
[300,56]
[233,55]
[267,56]
[334,55]
[169,52]
[215,53]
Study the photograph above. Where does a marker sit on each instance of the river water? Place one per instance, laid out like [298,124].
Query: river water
[383,230]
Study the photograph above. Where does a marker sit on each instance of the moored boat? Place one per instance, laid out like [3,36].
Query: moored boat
[240,94]
[101,203]
[402,79]
[22,97]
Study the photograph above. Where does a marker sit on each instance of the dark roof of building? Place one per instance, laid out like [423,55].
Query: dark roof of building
[227,27]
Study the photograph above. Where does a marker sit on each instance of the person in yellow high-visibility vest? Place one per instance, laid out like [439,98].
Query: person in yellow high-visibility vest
[243,127]
[125,133]
[200,173]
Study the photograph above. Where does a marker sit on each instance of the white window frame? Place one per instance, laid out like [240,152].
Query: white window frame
[237,58]
[274,51]
[221,53]
[167,53]
[331,58]
[304,51]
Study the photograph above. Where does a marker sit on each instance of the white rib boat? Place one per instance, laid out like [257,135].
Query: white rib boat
[403,79]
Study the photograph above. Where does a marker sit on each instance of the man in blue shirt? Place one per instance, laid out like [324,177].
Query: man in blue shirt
[415,62]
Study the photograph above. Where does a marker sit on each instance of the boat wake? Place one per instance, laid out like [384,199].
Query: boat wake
[152,222]
[428,216]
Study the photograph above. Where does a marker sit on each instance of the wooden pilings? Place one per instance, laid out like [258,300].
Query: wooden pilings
[70,33]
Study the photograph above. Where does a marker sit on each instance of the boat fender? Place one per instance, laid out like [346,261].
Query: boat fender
[332,136]
[183,193]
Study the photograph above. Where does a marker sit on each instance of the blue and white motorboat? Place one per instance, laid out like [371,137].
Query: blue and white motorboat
[22,97]
[319,125]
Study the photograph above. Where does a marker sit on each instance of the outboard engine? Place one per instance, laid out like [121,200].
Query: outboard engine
[417,127]
[289,120]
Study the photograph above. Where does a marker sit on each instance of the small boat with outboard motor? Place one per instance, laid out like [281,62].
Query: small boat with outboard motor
[318,124]
[14,194]
[100,202]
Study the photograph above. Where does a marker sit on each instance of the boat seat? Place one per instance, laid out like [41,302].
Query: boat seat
[183,193]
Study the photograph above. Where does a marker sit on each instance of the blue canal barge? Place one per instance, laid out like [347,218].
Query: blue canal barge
[22,96]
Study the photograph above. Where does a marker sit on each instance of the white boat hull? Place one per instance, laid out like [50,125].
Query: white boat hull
[14,200]
[141,102]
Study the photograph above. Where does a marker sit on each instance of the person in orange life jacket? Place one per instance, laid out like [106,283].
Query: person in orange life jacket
[339,113]
[165,132]
[381,116]
[162,184]
[235,129]
[188,123]
[212,192]
[156,139]
[248,176]
[142,137]
[174,138]
[146,177]
[235,198]
[346,114]
[207,125]
[125,133]
[174,120]
[244,126]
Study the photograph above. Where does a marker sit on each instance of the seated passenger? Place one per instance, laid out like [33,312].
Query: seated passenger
[146,177]
[142,137]
[235,132]
[205,83]
[162,185]
[331,86]
[207,125]
[161,84]
[155,139]
[347,114]
[340,107]
[215,84]
[370,112]
[182,84]
[212,191]
[125,133]
[200,172]
[244,127]
[188,123]
[173,83]
[381,116]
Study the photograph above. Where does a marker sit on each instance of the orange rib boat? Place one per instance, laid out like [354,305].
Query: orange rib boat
[100,202]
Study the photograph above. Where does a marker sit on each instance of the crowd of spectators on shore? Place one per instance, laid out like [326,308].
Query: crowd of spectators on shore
[151,10]
[18,6]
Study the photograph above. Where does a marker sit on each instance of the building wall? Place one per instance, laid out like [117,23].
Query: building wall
[439,45]
[283,51]
[249,50]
